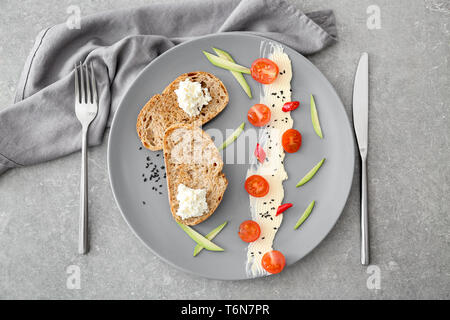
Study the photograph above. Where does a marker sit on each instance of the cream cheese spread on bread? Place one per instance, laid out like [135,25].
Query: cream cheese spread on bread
[191,97]
[263,210]
[192,202]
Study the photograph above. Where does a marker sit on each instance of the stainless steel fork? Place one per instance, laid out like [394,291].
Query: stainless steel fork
[86,108]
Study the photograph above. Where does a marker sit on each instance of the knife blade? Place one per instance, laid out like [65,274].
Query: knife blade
[361,124]
[361,103]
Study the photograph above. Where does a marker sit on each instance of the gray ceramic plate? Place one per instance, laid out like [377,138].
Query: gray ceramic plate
[130,167]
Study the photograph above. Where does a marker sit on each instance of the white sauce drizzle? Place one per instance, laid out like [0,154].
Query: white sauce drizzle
[263,209]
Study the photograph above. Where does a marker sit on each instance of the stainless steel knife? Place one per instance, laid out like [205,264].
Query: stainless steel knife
[361,124]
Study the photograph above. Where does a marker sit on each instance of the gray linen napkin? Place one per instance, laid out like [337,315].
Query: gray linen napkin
[41,124]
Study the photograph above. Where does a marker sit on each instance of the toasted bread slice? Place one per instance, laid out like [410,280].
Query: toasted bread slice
[191,158]
[162,110]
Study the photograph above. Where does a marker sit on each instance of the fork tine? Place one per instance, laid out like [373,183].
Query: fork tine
[94,85]
[88,85]
[82,84]
[77,91]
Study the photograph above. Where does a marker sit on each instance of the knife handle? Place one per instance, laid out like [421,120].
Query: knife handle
[364,216]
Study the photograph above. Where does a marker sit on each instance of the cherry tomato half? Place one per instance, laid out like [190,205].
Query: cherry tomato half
[264,70]
[256,186]
[273,261]
[249,231]
[259,115]
[291,140]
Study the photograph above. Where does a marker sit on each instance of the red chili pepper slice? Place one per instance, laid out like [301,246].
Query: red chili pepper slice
[289,106]
[283,208]
[260,154]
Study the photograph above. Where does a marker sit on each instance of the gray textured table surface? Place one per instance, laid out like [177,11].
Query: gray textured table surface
[409,177]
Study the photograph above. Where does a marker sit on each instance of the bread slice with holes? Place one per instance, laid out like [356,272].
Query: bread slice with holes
[192,159]
[162,110]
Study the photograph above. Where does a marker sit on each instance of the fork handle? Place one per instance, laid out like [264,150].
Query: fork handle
[364,216]
[83,220]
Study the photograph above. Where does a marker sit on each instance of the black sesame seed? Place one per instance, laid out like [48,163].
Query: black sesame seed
[145,179]
[281,91]
[140,148]
[143,202]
